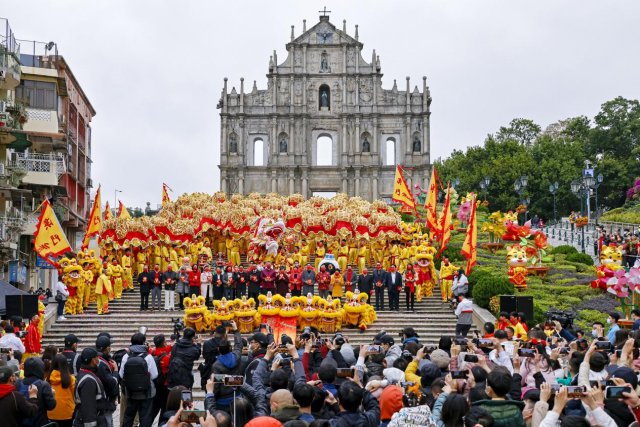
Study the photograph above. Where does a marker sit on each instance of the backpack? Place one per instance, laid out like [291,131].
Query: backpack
[162,362]
[136,376]
[179,373]
[118,355]
[24,390]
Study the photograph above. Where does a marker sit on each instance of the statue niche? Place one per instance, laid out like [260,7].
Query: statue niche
[233,143]
[417,145]
[324,97]
[366,145]
[283,143]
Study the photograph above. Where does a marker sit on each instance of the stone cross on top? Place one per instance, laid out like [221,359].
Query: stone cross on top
[324,11]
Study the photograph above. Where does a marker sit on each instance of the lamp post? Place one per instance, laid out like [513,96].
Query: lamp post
[520,185]
[553,189]
[599,180]
[115,197]
[581,190]
[484,186]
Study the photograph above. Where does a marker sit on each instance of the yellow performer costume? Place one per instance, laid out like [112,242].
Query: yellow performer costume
[103,292]
[117,272]
[426,272]
[165,257]
[74,281]
[517,261]
[343,256]
[446,279]
[196,315]
[305,250]
[246,314]
[330,315]
[157,255]
[363,254]
[378,250]
[128,271]
[233,251]
[404,259]
[87,275]
[357,313]
[141,261]
[320,252]
[308,311]
[337,285]
[222,312]
[353,253]
[173,258]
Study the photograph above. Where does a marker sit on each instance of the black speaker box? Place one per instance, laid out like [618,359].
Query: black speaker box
[523,304]
[24,306]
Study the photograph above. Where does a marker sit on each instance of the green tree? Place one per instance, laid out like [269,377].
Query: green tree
[523,131]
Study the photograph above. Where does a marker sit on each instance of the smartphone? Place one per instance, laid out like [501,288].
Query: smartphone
[60,349]
[317,344]
[406,384]
[374,349]
[471,358]
[5,350]
[345,372]
[603,345]
[429,348]
[485,342]
[526,352]
[555,388]
[192,416]
[459,375]
[233,380]
[186,396]
[619,353]
[22,334]
[461,341]
[615,392]
[564,350]
[574,391]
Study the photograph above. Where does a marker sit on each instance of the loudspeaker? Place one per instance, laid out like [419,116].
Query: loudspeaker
[523,304]
[24,306]
[508,303]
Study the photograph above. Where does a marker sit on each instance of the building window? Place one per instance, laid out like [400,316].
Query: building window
[258,152]
[37,94]
[324,150]
[324,97]
[390,155]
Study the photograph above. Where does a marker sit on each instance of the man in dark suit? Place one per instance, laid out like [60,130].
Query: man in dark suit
[379,281]
[393,283]
[365,282]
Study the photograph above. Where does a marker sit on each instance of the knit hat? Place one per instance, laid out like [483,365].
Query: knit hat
[440,358]
[428,374]
[34,367]
[5,373]
[263,422]
[348,354]
[393,375]
[390,402]
[260,338]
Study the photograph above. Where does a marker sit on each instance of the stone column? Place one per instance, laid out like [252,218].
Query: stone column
[304,141]
[240,181]
[274,181]
[223,143]
[374,143]
[241,138]
[344,135]
[374,185]
[356,193]
[273,151]
[344,183]
[223,181]
[293,144]
[344,58]
[356,138]
[241,95]
[291,100]
[357,100]
[408,142]
[304,61]
[375,90]
[305,183]
[291,183]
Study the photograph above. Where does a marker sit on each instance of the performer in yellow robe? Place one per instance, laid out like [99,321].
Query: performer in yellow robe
[404,258]
[87,274]
[125,261]
[337,284]
[164,262]
[233,251]
[363,255]
[194,250]
[353,252]
[320,252]
[103,292]
[141,261]
[446,279]
[305,250]
[343,255]
[157,254]
[117,273]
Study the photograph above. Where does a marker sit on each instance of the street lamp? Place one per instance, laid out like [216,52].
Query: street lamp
[581,190]
[599,180]
[115,197]
[520,185]
[553,189]
[484,185]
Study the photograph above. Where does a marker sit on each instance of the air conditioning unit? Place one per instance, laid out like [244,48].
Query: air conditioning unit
[89,183]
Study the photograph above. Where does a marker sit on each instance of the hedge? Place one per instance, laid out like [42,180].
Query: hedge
[581,258]
[565,249]
[489,286]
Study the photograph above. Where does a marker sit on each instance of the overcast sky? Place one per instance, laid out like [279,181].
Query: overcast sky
[154,69]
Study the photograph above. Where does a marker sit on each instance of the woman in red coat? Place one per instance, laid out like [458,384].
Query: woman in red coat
[194,280]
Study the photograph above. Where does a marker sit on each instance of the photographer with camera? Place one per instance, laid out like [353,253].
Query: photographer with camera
[137,371]
[228,362]
[312,355]
[257,349]
[184,354]
[10,340]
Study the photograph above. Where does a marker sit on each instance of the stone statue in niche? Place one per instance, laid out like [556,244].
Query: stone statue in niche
[233,143]
[283,144]
[324,63]
[324,98]
[417,145]
[366,147]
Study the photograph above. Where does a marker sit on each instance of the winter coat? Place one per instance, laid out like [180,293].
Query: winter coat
[65,403]
[228,364]
[369,418]
[14,407]
[34,371]
[170,278]
[505,413]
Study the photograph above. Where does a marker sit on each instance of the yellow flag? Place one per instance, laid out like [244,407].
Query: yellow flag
[431,203]
[95,221]
[445,221]
[122,211]
[49,239]
[401,192]
[165,194]
[470,245]
[107,211]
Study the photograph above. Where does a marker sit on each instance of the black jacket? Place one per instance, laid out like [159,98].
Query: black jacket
[145,286]
[93,400]
[254,281]
[34,371]
[74,360]
[109,379]
[228,364]
[170,276]
[391,284]
[365,283]
[369,418]
[14,407]
[379,276]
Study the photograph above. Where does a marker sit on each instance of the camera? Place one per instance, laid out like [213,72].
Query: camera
[5,350]
[472,358]
[459,375]
[228,380]
[187,396]
[564,317]
[306,333]
[21,334]
[178,326]
[374,349]
[603,346]
[483,342]
[404,384]
[338,340]
[192,416]
[429,348]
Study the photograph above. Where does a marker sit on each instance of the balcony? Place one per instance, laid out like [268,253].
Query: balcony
[41,169]
[9,57]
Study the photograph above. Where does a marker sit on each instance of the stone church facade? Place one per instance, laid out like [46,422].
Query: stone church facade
[324,123]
